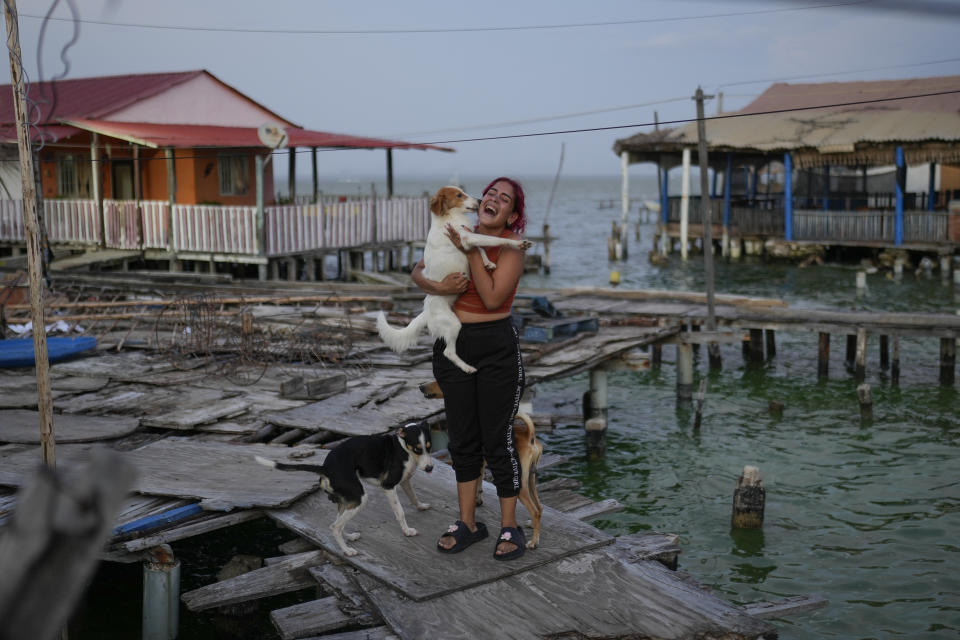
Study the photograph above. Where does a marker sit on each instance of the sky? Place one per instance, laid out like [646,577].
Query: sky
[538,75]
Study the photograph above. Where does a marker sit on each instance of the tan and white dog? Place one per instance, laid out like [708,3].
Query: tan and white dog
[449,206]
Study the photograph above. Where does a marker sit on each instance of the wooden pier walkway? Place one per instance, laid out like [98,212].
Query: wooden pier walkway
[192,431]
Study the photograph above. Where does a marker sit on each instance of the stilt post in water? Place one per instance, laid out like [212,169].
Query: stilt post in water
[161,594]
[684,372]
[860,368]
[948,360]
[595,414]
[895,361]
[748,500]
[865,398]
[823,355]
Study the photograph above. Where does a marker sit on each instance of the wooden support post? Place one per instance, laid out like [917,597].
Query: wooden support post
[656,354]
[860,368]
[684,372]
[823,355]
[261,226]
[755,346]
[31,217]
[748,500]
[948,360]
[865,398]
[895,361]
[771,343]
[292,174]
[685,204]
[701,397]
[316,182]
[546,249]
[884,352]
[596,422]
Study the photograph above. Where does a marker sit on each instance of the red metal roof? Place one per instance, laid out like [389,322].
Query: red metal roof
[91,97]
[68,106]
[51,133]
[192,136]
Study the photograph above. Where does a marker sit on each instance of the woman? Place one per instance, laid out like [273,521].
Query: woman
[480,407]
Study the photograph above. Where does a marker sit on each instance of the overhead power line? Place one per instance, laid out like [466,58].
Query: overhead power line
[420,30]
[635,125]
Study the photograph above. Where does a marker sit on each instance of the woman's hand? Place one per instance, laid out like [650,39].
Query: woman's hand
[452,284]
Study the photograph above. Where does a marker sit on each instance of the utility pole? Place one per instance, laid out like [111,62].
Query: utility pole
[706,218]
[32,226]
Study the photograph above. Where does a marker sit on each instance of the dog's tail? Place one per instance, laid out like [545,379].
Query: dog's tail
[401,339]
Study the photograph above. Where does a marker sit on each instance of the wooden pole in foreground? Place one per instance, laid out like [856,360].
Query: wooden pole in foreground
[32,227]
[706,222]
[748,500]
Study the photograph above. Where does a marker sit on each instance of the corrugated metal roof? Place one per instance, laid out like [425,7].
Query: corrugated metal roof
[91,97]
[51,133]
[192,136]
[828,134]
[83,103]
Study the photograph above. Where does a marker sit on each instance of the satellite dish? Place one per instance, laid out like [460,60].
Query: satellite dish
[272,135]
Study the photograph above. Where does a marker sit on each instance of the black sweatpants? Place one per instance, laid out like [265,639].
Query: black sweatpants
[481,406]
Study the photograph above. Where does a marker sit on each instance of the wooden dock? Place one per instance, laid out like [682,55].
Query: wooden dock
[191,430]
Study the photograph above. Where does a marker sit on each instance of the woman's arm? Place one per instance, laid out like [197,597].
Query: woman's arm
[453,284]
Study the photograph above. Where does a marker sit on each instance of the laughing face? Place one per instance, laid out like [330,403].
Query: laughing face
[497,206]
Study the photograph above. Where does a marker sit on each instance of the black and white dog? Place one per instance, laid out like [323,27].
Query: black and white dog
[385,461]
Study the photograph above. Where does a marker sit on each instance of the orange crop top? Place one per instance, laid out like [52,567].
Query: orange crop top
[470,300]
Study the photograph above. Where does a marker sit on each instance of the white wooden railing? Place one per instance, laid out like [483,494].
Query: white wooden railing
[332,224]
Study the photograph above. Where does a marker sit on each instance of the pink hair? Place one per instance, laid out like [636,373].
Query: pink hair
[519,202]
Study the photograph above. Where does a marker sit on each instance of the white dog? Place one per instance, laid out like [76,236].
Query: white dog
[441,257]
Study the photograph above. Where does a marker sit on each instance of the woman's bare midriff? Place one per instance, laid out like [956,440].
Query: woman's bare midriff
[466,317]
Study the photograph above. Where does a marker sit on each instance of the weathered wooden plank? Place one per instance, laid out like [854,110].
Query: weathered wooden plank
[412,564]
[571,594]
[138,399]
[308,618]
[370,633]
[595,509]
[786,607]
[117,366]
[189,417]
[344,586]
[289,574]
[23,426]
[565,500]
[223,476]
[205,525]
[357,412]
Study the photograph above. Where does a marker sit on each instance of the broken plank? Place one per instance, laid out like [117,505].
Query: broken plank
[595,509]
[222,475]
[308,618]
[209,523]
[573,593]
[370,633]
[190,417]
[412,564]
[786,607]
[22,426]
[288,574]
